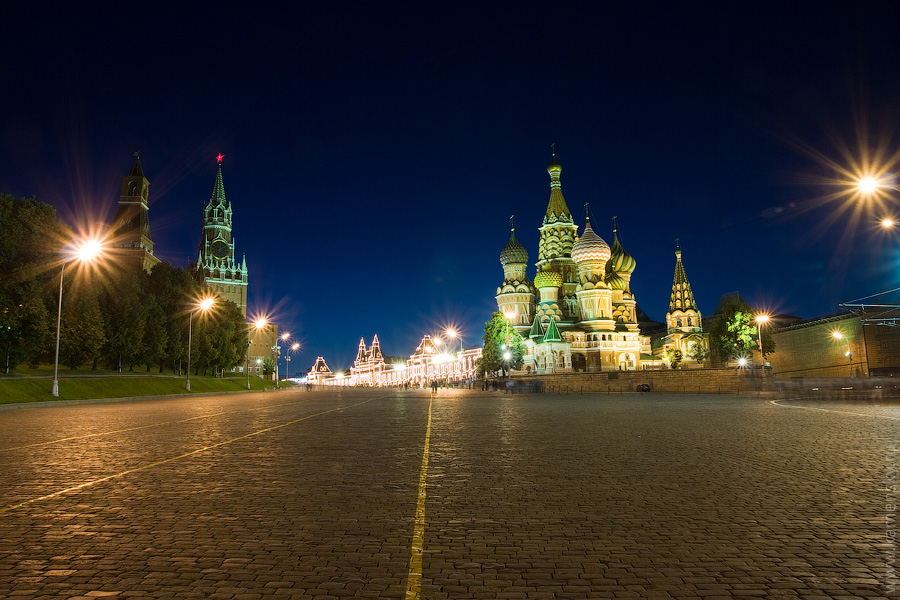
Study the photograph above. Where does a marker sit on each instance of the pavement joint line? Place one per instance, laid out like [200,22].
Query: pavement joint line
[414,578]
[841,412]
[179,457]
[102,433]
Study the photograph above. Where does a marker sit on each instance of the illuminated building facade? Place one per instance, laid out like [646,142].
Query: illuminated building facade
[579,313]
[131,240]
[684,327]
[216,262]
[426,364]
[319,372]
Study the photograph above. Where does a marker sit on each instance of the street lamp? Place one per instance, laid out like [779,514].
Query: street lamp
[287,361]
[257,325]
[760,319]
[276,351]
[204,305]
[85,253]
[839,335]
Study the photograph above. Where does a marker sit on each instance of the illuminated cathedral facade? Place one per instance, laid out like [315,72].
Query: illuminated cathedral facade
[579,314]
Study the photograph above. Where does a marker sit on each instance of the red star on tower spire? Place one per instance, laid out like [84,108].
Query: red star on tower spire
[220,157]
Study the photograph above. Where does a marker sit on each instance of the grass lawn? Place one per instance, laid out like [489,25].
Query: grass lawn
[34,386]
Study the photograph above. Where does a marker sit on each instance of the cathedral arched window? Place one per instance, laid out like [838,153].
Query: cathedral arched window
[678,322]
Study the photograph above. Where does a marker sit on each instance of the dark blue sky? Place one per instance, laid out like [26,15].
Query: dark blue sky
[374,153]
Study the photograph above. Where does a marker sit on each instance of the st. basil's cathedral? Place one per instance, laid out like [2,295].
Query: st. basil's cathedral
[579,314]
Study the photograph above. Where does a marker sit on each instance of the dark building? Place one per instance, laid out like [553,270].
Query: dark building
[131,242]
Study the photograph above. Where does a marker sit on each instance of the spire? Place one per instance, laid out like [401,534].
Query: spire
[137,170]
[218,195]
[537,330]
[552,334]
[682,296]
[556,208]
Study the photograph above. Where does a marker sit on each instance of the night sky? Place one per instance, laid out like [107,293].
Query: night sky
[374,152]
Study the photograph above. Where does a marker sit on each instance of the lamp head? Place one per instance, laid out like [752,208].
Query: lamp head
[867,185]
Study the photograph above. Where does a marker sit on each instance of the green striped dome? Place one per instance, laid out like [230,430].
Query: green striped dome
[620,261]
[615,282]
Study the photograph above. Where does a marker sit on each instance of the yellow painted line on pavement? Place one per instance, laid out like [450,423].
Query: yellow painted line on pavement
[174,458]
[840,412]
[414,579]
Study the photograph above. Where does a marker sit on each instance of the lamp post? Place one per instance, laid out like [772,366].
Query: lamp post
[277,352]
[204,305]
[257,325]
[509,316]
[287,361]
[760,319]
[86,252]
[453,334]
[839,335]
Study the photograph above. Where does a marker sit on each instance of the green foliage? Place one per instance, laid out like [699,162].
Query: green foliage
[673,358]
[498,337]
[698,352]
[31,238]
[221,338]
[735,333]
[268,366]
[82,328]
[125,322]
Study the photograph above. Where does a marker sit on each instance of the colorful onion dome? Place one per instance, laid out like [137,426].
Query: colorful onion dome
[590,246]
[514,252]
[546,279]
[615,281]
[621,261]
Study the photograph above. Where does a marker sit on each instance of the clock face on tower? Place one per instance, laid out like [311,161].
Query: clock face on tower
[219,249]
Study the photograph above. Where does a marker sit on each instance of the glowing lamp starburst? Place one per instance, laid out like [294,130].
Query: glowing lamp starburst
[867,185]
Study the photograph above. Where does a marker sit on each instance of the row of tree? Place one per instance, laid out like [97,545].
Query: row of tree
[110,315]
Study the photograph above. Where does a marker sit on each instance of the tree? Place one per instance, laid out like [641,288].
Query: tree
[31,237]
[81,333]
[221,338]
[268,366]
[735,333]
[125,321]
[172,290]
[698,353]
[498,338]
[673,357]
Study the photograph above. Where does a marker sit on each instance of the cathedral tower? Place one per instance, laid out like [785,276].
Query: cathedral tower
[222,274]
[516,295]
[683,315]
[684,328]
[131,225]
[558,235]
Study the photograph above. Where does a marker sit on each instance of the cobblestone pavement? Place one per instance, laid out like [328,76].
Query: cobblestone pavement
[314,495]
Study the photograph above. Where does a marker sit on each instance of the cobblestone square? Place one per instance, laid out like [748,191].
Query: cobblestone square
[330,494]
